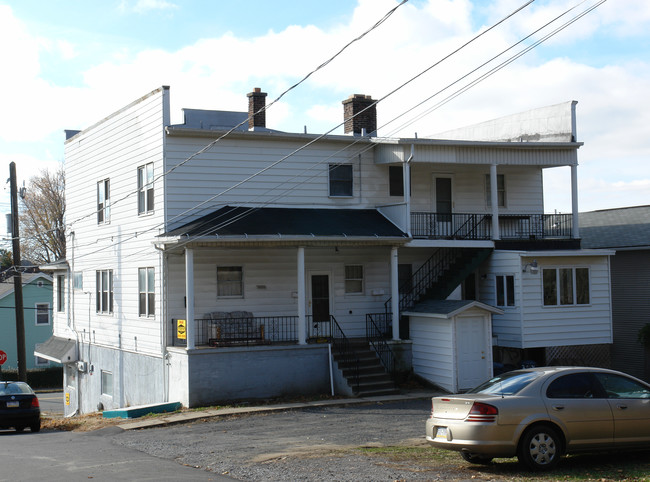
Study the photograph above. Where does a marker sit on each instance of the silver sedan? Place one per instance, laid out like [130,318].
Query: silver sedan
[539,414]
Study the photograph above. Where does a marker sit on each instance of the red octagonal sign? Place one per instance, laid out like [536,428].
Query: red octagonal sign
[3,357]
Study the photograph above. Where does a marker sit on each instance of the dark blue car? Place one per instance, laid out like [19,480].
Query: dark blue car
[19,407]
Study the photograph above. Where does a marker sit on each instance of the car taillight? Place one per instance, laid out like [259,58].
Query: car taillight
[35,403]
[482,412]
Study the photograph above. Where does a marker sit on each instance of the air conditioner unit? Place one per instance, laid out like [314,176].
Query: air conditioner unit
[81,366]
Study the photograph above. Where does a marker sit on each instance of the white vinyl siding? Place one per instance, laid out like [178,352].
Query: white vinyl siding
[113,148]
[532,324]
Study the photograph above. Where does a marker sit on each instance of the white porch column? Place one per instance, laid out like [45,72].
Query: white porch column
[302,297]
[494,200]
[394,291]
[189,299]
[574,201]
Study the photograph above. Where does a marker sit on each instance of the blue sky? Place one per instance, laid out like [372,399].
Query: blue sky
[72,63]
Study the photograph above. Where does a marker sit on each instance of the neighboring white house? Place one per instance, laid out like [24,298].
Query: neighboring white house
[216,259]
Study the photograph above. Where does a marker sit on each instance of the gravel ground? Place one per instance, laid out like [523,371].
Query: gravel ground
[303,445]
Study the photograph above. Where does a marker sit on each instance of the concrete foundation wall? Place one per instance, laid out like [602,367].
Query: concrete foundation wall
[251,373]
[137,379]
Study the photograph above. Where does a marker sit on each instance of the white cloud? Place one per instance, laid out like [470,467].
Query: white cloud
[144,6]
[216,73]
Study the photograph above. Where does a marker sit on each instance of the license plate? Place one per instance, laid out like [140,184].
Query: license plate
[441,432]
[13,404]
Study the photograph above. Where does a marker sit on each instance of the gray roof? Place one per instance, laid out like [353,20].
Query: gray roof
[7,286]
[240,221]
[448,308]
[616,228]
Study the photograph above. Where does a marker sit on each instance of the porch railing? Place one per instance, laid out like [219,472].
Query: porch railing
[248,330]
[377,331]
[479,226]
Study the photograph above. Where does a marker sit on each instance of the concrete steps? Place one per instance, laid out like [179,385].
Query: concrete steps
[373,378]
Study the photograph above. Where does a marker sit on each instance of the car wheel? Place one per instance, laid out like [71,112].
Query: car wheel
[35,427]
[476,458]
[540,448]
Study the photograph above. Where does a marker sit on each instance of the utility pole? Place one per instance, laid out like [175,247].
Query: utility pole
[18,278]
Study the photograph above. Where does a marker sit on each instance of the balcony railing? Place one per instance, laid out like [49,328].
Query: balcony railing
[479,226]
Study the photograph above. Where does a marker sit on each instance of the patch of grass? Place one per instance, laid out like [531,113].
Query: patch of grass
[624,466]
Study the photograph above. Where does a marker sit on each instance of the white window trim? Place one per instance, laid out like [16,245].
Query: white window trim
[102,388]
[49,316]
[60,293]
[227,297]
[147,290]
[363,280]
[505,290]
[575,287]
[148,210]
[107,201]
[488,197]
[98,292]
[329,181]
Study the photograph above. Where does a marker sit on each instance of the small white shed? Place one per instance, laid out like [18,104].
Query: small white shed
[452,342]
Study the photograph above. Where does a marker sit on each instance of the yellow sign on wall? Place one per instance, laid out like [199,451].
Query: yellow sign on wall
[181,332]
[67,398]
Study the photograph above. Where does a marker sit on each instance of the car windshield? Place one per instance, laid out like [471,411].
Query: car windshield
[506,384]
[13,388]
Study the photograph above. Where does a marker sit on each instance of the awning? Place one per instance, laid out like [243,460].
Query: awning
[57,349]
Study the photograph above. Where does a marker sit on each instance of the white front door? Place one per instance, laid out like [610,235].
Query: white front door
[472,352]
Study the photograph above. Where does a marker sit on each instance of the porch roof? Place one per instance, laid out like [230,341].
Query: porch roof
[448,308]
[275,224]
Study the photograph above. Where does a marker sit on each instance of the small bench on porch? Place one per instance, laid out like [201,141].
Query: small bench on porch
[233,328]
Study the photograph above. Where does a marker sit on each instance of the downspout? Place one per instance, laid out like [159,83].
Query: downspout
[163,325]
[407,190]
[72,324]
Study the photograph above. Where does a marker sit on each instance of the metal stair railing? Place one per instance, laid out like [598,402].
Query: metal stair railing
[341,346]
[376,337]
[424,278]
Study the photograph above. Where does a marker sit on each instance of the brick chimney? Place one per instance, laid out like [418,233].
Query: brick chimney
[365,120]
[256,101]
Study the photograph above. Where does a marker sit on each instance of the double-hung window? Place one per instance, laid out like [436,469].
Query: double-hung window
[230,282]
[566,286]
[42,314]
[104,292]
[501,191]
[340,178]
[103,201]
[146,304]
[505,290]
[354,279]
[145,188]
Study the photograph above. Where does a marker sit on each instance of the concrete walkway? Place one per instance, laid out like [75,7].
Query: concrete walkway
[199,414]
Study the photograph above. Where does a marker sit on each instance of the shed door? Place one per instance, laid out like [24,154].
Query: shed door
[471,352]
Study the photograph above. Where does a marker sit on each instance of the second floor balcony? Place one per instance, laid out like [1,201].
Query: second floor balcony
[468,226]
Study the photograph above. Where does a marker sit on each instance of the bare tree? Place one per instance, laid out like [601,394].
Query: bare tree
[42,228]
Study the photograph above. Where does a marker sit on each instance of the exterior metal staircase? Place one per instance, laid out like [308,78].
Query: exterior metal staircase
[439,275]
